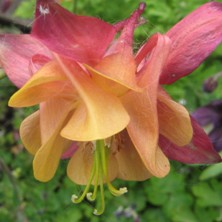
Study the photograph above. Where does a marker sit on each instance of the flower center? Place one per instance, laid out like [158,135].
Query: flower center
[99,175]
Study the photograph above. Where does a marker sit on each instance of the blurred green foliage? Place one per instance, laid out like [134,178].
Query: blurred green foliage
[187,194]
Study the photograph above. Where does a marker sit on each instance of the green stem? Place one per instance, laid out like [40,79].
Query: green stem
[102,207]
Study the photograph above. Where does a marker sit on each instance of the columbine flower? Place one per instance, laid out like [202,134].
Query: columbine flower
[210,117]
[211,83]
[103,104]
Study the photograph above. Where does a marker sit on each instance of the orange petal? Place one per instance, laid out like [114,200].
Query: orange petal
[119,63]
[53,116]
[143,131]
[46,83]
[157,49]
[119,67]
[174,120]
[80,165]
[98,114]
[47,158]
[130,164]
[107,84]
[143,128]
[30,133]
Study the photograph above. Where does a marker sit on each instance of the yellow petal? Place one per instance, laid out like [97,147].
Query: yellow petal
[30,133]
[46,83]
[143,131]
[53,116]
[107,84]
[130,164]
[174,120]
[143,128]
[98,114]
[80,165]
[158,50]
[47,158]
[119,67]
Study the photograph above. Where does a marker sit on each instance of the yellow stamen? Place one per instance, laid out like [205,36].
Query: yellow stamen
[104,157]
[92,196]
[75,198]
[102,203]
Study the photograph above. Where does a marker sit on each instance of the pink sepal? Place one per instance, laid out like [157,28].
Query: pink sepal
[16,56]
[80,38]
[193,40]
[199,151]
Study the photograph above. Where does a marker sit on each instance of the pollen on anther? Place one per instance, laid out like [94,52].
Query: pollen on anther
[73,198]
[89,195]
[123,190]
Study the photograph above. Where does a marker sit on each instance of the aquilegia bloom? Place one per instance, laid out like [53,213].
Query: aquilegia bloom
[102,105]
[210,117]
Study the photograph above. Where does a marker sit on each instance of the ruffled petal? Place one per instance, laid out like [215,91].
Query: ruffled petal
[143,131]
[98,114]
[174,120]
[48,82]
[143,128]
[53,116]
[151,59]
[30,133]
[199,151]
[47,158]
[119,64]
[130,165]
[193,40]
[80,166]
[81,38]
[119,67]
[16,52]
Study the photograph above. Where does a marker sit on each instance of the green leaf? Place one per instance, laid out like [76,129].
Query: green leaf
[26,9]
[178,208]
[159,190]
[208,195]
[211,171]
[156,215]
[207,214]
[71,214]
